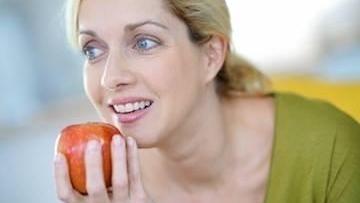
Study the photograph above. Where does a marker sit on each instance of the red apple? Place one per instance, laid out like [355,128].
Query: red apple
[72,143]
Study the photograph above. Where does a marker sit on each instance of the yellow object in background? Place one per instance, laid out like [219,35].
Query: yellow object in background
[344,95]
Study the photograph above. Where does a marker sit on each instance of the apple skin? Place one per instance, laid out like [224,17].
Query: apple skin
[72,142]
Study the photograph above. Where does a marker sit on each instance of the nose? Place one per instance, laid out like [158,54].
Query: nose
[117,73]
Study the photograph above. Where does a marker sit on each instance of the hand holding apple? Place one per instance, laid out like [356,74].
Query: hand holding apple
[72,143]
[90,158]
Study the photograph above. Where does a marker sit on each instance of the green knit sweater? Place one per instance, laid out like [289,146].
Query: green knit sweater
[316,153]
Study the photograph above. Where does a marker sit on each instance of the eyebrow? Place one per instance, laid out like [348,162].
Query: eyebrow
[136,25]
[129,27]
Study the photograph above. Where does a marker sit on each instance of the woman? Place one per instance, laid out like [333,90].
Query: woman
[200,123]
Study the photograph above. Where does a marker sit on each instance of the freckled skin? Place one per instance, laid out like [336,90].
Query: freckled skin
[72,143]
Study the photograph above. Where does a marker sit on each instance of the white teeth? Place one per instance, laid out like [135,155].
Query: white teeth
[121,108]
[142,104]
[129,107]
[136,106]
[117,108]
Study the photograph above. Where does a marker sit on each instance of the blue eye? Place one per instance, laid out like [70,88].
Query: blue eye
[92,53]
[145,44]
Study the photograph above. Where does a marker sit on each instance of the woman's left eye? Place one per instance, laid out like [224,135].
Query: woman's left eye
[145,44]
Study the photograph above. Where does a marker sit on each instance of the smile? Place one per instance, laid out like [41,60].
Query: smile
[131,106]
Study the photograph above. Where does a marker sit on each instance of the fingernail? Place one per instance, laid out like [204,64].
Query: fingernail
[116,139]
[93,145]
[130,141]
[57,159]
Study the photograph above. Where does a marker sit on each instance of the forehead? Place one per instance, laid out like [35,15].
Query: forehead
[118,13]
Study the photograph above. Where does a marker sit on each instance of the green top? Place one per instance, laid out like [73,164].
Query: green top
[316,153]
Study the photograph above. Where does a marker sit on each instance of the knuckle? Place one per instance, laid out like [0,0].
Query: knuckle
[140,200]
[96,191]
[140,197]
[120,185]
[64,196]
[135,175]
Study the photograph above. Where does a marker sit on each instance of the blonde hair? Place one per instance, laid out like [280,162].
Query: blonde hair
[204,19]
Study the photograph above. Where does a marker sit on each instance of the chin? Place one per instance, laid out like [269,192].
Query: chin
[144,130]
[146,135]
[144,138]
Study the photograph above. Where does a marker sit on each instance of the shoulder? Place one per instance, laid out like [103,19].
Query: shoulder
[313,121]
[317,118]
[321,140]
[313,114]
[317,150]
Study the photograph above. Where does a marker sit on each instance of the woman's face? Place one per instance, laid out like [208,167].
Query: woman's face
[142,73]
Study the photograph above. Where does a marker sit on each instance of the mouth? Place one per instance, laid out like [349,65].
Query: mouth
[131,107]
[131,111]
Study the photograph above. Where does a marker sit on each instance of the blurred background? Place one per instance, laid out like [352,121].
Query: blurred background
[308,47]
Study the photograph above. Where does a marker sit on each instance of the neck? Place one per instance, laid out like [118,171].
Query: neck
[196,155]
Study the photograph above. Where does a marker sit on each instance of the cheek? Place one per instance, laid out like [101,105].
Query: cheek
[163,75]
[174,74]
[92,85]
[183,71]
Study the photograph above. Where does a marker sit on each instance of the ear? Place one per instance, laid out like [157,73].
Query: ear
[215,51]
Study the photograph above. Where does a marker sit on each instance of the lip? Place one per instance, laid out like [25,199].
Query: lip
[124,100]
[131,117]
[127,118]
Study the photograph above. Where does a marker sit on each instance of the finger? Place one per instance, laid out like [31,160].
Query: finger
[120,184]
[64,189]
[94,172]
[136,187]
